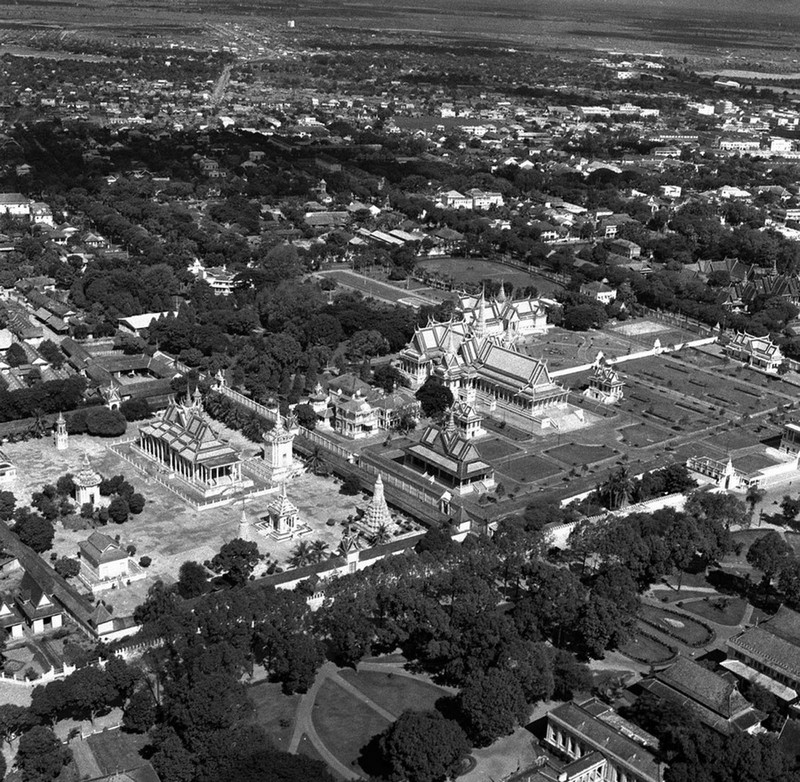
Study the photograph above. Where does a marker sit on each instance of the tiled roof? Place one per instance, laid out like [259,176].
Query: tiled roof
[770,650]
[606,740]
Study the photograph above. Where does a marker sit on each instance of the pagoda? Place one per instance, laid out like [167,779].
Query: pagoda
[377,515]
[87,484]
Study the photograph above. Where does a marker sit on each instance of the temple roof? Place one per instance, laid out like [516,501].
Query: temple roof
[186,431]
[448,450]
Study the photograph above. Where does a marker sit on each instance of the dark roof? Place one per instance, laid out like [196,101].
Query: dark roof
[785,624]
[605,739]
[773,652]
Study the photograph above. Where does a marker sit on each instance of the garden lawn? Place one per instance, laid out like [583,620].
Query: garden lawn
[495,448]
[527,469]
[344,723]
[578,453]
[686,630]
[666,595]
[274,711]
[648,650]
[116,750]
[395,693]
[722,610]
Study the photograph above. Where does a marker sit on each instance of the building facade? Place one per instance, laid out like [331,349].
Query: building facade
[182,441]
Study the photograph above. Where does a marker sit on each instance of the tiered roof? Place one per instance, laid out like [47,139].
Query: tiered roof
[450,451]
[184,428]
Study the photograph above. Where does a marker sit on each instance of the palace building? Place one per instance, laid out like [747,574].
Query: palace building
[477,358]
[182,440]
[450,458]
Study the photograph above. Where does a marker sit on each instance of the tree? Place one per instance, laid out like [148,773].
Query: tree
[192,580]
[7,504]
[753,496]
[423,746]
[118,510]
[769,554]
[434,397]
[15,355]
[34,530]
[139,714]
[14,720]
[135,409]
[237,560]
[41,756]
[88,691]
[306,416]
[67,567]
[295,661]
[136,503]
[51,353]
[102,422]
[492,706]
[351,485]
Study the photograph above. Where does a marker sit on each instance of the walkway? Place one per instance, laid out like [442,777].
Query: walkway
[304,723]
[304,716]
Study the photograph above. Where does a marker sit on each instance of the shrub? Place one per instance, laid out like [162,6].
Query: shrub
[136,503]
[145,561]
[118,510]
[102,422]
[67,568]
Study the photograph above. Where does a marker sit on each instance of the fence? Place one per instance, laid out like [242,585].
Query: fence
[270,414]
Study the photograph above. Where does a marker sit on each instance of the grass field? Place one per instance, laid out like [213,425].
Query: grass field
[344,723]
[395,693]
[496,448]
[722,610]
[644,434]
[115,749]
[470,271]
[274,711]
[527,469]
[687,630]
[649,650]
[673,596]
[578,453]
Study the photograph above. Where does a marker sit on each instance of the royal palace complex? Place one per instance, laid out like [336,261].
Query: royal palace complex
[477,356]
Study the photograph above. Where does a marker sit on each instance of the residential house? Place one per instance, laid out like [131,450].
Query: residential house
[37,606]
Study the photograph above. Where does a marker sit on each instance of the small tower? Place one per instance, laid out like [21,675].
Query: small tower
[349,548]
[480,326]
[60,434]
[377,514]
[283,515]
[111,396]
[87,484]
[277,452]
[501,296]
[243,533]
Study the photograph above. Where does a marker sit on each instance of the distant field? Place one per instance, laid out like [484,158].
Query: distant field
[470,271]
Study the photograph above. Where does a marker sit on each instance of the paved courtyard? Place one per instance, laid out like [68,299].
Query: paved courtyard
[169,531]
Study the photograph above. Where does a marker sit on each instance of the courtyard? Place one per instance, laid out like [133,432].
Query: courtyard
[169,531]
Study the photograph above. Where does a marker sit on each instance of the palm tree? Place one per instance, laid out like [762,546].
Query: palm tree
[382,535]
[316,464]
[301,556]
[319,550]
[618,487]
[38,427]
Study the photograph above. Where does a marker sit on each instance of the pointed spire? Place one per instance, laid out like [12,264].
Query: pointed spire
[480,329]
[501,296]
[244,525]
[451,428]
